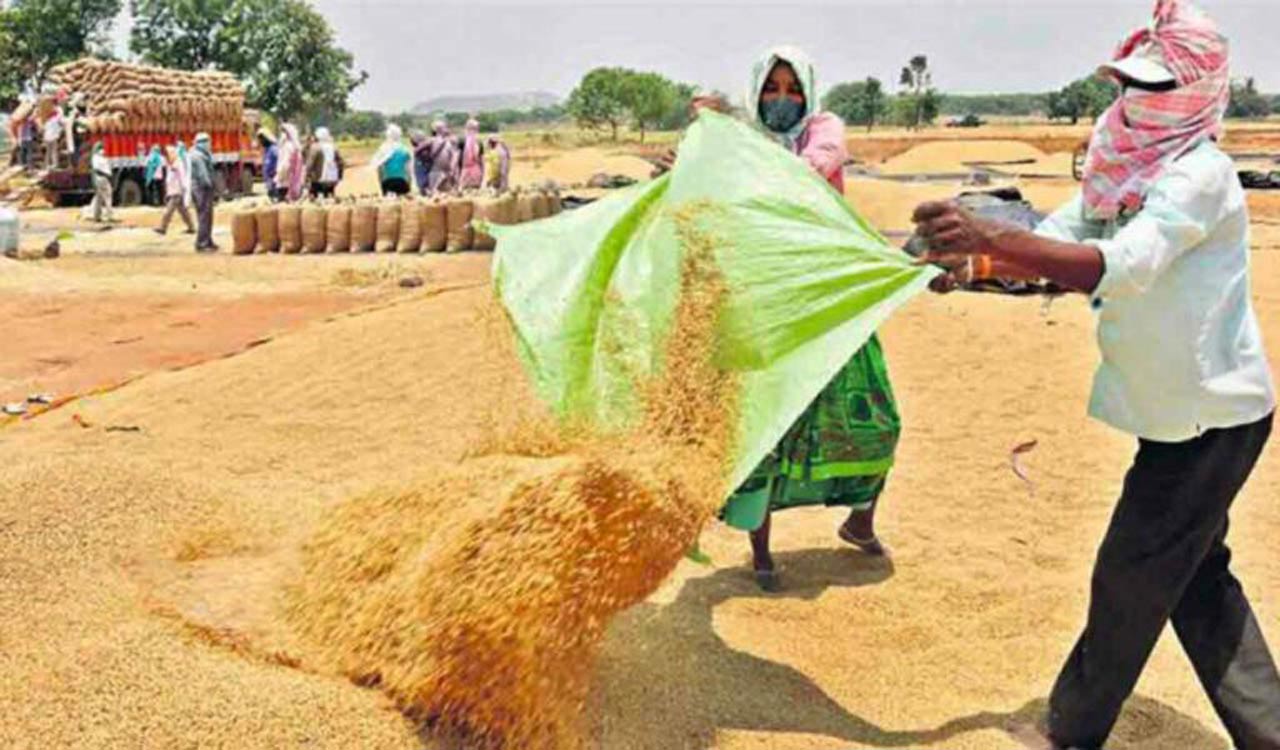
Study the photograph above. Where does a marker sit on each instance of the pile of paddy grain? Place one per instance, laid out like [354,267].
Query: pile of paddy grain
[478,599]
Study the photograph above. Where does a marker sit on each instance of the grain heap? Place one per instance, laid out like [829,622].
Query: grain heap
[122,97]
[479,598]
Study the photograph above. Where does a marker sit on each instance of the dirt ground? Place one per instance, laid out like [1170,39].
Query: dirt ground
[362,384]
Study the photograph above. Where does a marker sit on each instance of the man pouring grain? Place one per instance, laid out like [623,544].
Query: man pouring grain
[1158,239]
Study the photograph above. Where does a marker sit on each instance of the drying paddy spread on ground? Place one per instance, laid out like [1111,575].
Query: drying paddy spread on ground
[239,424]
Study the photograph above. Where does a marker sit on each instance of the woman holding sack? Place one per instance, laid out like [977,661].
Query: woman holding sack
[839,451]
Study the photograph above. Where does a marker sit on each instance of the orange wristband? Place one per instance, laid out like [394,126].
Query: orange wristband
[983,268]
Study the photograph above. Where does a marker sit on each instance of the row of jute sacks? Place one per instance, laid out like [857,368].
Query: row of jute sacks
[406,225]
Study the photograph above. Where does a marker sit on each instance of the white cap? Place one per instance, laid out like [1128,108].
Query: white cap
[1145,65]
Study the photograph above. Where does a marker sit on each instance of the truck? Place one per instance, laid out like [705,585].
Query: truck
[127,140]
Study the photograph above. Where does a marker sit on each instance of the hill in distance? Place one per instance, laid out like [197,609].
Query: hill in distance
[485,102]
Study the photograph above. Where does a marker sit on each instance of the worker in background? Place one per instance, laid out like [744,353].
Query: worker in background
[22,132]
[440,153]
[420,145]
[291,169]
[497,164]
[470,168]
[203,192]
[270,163]
[53,137]
[176,184]
[324,165]
[77,128]
[100,170]
[153,176]
[1158,237]
[392,162]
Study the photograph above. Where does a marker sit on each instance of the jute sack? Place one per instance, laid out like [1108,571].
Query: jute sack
[290,229]
[541,206]
[388,227]
[458,215]
[556,205]
[507,209]
[410,227]
[435,227]
[524,208]
[488,210]
[268,220]
[338,229]
[364,228]
[314,218]
[244,231]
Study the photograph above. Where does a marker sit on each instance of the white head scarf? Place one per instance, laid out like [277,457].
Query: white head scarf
[392,142]
[805,74]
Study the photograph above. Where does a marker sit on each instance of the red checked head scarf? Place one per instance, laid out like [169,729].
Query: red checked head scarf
[1144,131]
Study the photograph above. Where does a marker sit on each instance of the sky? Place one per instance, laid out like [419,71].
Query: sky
[417,50]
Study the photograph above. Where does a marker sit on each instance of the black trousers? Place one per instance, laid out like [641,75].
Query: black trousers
[203,200]
[395,186]
[1165,558]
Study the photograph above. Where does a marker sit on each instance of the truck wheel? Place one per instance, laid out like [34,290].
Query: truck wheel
[246,182]
[129,193]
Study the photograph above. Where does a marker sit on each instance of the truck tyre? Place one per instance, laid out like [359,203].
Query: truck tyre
[128,193]
[246,181]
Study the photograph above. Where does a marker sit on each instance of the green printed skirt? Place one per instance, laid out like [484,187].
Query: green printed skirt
[838,452]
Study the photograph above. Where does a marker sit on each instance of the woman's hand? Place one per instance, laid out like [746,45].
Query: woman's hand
[664,163]
[712,102]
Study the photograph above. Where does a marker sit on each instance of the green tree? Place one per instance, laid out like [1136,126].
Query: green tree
[1087,97]
[917,86]
[36,35]
[185,34]
[283,50]
[1246,102]
[858,103]
[600,99]
[649,98]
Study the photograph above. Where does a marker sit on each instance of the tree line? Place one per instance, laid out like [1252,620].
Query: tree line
[365,124]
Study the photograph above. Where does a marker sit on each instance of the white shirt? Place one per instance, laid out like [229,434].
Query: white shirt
[1181,348]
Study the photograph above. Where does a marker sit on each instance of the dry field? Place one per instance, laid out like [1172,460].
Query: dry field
[225,403]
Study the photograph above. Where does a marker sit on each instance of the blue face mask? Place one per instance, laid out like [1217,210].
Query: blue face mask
[781,114]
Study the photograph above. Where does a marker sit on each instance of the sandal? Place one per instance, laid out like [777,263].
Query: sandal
[768,581]
[871,546]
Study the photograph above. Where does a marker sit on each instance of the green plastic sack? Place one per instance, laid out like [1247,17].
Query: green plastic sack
[809,282]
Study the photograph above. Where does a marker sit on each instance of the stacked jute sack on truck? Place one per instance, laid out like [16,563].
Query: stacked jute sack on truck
[126,98]
[384,225]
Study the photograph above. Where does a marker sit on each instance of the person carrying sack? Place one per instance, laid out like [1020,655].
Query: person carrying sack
[1158,237]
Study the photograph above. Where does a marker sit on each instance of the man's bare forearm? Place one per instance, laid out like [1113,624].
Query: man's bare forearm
[1068,264]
